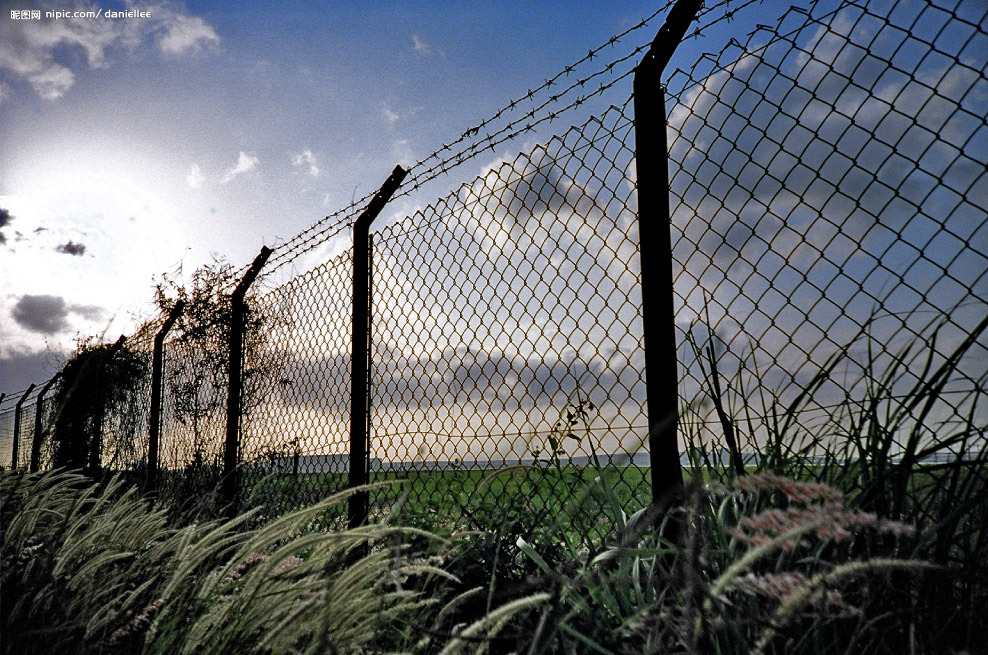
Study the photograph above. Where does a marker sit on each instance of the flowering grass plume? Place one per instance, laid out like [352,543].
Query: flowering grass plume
[812,510]
[828,520]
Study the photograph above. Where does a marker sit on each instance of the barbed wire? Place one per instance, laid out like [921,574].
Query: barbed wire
[438,162]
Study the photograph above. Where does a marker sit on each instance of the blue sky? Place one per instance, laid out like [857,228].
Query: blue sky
[135,146]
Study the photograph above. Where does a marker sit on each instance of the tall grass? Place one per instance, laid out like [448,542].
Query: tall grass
[867,534]
[90,569]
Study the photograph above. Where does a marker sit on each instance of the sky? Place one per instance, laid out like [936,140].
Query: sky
[825,165]
[137,146]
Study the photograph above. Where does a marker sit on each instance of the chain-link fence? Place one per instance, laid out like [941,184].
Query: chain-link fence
[827,190]
[296,445]
[829,184]
[507,330]
[26,420]
[116,441]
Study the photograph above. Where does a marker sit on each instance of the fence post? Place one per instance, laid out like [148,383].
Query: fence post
[230,487]
[360,349]
[654,226]
[39,431]
[157,379]
[96,445]
[17,427]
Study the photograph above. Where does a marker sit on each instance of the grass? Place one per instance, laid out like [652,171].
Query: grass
[468,499]
[91,569]
[867,535]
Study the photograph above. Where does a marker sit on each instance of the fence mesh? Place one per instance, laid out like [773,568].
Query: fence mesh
[193,415]
[507,327]
[827,181]
[297,427]
[7,435]
[826,184]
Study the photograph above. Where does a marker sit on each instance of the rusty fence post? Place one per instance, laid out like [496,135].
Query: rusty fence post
[17,428]
[230,485]
[360,349]
[40,431]
[157,380]
[654,226]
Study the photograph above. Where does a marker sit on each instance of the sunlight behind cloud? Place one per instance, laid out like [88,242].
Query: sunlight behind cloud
[115,224]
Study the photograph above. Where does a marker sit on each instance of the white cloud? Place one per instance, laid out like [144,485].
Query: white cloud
[27,47]
[245,164]
[423,47]
[51,82]
[306,158]
[187,34]
[420,45]
[402,152]
[195,177]
[827,41]
[389,115]
[27,51]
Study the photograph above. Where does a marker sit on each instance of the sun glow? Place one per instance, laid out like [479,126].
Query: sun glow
[86,229]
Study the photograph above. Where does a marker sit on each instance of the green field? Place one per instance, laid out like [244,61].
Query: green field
[474,499]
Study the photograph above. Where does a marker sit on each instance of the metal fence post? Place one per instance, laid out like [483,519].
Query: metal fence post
[39,430]
[360,350]
[157,379]
[17,427]
[654,225]
[230,486]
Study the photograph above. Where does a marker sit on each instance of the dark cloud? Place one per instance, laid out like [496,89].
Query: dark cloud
[5,219]
[90,312]
[49,314]
[72,248]
[44,314]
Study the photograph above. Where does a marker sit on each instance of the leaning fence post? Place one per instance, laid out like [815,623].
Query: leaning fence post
[39,430]
[230,487]
[360,349]
[157,379]
[17,427]
[654,227]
